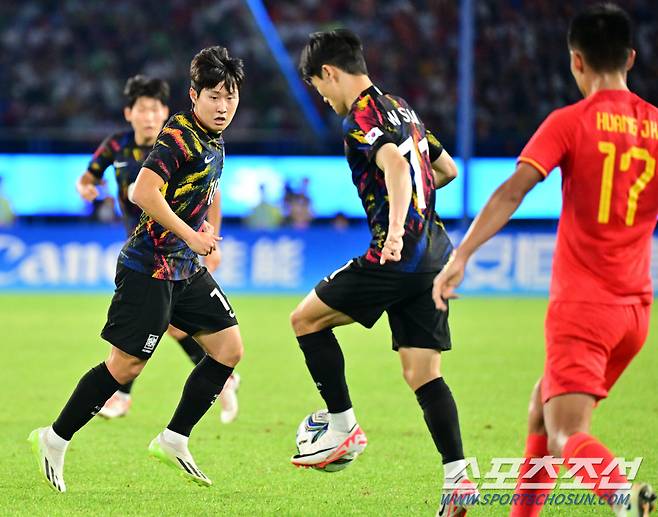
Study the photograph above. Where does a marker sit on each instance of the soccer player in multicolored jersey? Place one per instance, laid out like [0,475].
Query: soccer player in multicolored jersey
[601,292]
[396,166]
[146,110]
[159,279]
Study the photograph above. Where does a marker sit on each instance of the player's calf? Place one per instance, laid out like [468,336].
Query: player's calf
[201,389]
[440,414]
[326,364]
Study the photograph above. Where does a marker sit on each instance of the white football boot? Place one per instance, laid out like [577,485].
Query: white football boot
[117,405]
[641,503]
[50,458]
[178,457]
[330,447]
[228,399]
[456,500]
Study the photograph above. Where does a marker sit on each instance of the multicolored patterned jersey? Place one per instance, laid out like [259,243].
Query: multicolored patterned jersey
[189,159]
[376,119]
[121,151]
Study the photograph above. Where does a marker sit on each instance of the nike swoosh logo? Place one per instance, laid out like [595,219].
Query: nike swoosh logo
[231,314]
[208,159]
[313,453]
[118,165]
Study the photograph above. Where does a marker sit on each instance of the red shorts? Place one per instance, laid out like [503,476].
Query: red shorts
[588,346]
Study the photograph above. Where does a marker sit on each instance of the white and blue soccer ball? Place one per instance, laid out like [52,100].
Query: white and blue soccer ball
[309,431]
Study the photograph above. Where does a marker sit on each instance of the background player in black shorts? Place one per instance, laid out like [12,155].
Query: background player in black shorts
[159,279]
[146,110]
[396,166]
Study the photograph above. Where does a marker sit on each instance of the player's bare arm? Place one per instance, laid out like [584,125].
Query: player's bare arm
[398,186]
[214,218]
[444,170]
[149,198]
[86,186]
[496,213]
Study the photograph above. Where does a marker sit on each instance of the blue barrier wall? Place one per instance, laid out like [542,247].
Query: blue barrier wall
[83,257]
[330,186]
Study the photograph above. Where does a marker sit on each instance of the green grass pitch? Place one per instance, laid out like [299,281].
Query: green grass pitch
[48,341]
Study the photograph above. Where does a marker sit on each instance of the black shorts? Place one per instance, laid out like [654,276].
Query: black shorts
[364,293]
[143,307]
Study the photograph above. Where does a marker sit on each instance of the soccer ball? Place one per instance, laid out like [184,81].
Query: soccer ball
[310,429]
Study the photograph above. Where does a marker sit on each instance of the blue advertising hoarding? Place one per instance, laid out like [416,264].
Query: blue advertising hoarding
[330,185]
[83,258]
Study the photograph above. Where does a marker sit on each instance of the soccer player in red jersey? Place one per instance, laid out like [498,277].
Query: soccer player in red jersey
[600,296]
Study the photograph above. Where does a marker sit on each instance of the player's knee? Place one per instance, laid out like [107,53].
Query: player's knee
[417,377]
[235,354]
[135,369]
[556,442]
[536,414]
[558,438]
[299,322]
[126,371]
[229,354]
[408,375]
[176,333]
[536,419]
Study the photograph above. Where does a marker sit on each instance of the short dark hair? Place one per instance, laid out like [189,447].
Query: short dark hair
[604,34]
[142,86]
[212,66]
[340,48]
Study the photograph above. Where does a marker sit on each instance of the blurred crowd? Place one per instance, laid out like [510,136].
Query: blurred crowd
[522,70]
[411,47]
[293,209]
[63,63]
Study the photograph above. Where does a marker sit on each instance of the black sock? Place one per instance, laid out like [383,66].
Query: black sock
[201,389]
[192,349]
[440,412]
[93,390]
[325,362]
[126,388]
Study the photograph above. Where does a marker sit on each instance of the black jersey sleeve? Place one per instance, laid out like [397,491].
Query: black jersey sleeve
[104,156]
[435,146]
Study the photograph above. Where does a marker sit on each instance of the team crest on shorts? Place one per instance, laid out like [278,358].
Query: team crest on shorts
[149,346]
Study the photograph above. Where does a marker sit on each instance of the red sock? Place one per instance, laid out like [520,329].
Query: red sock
[583,445]
[525,502]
